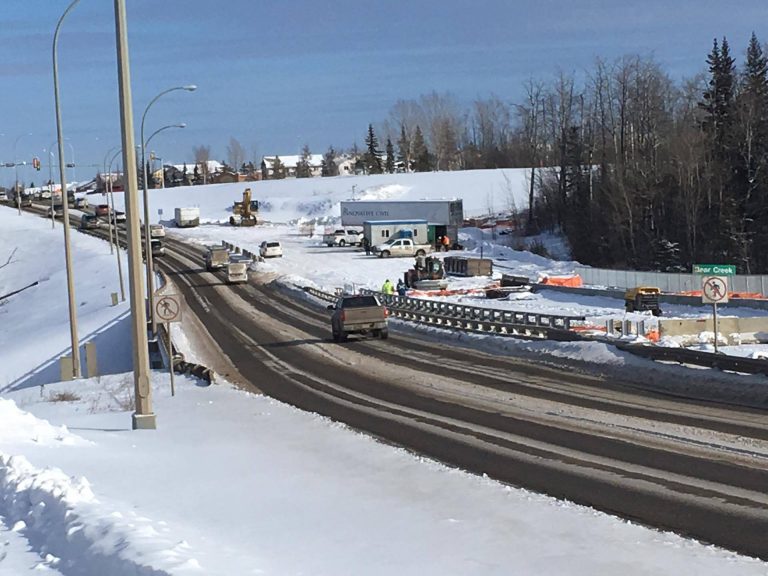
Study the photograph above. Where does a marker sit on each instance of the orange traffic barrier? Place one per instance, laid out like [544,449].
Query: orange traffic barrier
[570,281]
[750,295]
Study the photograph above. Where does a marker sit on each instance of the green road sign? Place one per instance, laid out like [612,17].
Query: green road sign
[715,269]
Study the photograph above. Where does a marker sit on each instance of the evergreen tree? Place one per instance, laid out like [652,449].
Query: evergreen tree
[389,164]
[750,148]
[718,98]
[404,149]
[372,157]
[329,166]
[303,169]
[422,159]
[278,170]
[196,179]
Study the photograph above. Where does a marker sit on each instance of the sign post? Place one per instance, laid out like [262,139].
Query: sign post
[167,310]
[714,290]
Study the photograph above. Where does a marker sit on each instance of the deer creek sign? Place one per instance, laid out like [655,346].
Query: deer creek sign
[715,269]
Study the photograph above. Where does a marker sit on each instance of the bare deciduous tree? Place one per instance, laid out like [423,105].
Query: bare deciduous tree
[235,154]
[202,155]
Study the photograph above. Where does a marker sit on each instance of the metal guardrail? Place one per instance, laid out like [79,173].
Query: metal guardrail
[465,312]
[697,358]
[531,326]
[539,327]
[237,250]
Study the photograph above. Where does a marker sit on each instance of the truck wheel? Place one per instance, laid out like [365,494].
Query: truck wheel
[384,333]
[342,243]
[376,333]
[420,252]
[385,253]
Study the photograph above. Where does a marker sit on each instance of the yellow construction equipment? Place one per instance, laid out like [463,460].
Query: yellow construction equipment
[642,298]
[244,212]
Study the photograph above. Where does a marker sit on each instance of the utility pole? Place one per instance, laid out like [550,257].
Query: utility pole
[143,417]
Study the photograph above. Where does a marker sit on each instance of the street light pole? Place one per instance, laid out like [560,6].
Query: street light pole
[143,417]
[65,217]
[106,191]
[113,223]
[16,172]
[181,125]
[147,239]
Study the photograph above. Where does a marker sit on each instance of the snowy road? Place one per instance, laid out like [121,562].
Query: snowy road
[592,439]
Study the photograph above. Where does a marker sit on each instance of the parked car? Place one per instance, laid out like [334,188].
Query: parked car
[57,209]
[343,237]
[3,196]
[270,249]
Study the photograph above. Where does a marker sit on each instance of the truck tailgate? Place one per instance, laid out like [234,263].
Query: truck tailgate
[364,315]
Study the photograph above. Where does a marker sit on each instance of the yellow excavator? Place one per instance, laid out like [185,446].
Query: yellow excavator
[244,213]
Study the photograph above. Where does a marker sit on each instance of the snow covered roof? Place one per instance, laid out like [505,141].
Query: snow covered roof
[315,160]
[213,166]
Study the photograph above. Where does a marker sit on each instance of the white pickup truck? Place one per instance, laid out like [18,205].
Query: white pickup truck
[237,269]
[342,237]
[401,247]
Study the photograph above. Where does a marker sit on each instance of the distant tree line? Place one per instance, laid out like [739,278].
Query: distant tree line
[635,169]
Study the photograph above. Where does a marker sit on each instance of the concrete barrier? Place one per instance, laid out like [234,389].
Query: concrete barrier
[735,330]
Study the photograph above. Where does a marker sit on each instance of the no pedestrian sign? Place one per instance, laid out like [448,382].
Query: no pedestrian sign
[168,308]
[714,290]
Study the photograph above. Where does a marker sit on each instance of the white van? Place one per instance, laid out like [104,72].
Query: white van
[270,249]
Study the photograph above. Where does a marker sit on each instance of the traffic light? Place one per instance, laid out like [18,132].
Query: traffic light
[36,163]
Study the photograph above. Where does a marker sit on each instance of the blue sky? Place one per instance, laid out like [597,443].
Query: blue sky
[278,75]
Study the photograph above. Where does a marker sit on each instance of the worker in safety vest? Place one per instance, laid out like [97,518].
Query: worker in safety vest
[387,287]
[446,242]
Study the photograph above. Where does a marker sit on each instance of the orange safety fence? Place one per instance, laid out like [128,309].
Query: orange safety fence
[750,295]
[464,291]
[570,281]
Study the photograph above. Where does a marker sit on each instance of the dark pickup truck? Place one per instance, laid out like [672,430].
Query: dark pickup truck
[359,314]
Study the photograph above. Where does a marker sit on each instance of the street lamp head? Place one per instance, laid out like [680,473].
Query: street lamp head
[182,125]
[190,87]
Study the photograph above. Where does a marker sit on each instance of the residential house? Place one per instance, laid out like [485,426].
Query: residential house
[289,165]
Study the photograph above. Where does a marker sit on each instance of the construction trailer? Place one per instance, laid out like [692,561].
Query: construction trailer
[443,217]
